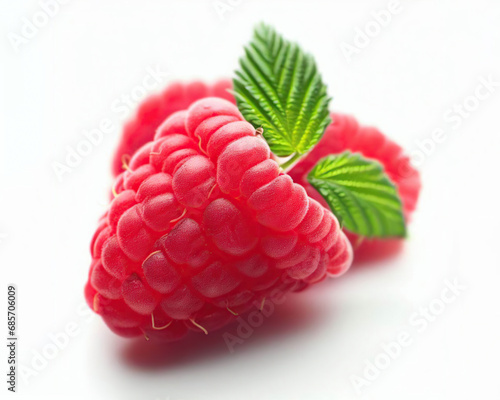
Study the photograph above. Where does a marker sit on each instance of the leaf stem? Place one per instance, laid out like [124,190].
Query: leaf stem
[289,163]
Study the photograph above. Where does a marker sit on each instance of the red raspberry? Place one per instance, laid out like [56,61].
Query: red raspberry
[344,133]
[156,108]
[205,225]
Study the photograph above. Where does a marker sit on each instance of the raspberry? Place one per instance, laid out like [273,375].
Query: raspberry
[345,133]
[204,226]
[156,108]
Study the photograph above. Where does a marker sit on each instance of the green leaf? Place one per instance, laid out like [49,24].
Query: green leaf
[360,194]
[279,88]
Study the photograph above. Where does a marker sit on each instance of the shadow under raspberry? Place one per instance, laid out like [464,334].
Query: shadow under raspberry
[294,317]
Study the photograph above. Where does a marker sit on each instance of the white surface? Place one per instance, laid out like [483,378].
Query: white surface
[431,56]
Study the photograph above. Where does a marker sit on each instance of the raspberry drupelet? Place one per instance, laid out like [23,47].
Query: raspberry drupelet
[204,225]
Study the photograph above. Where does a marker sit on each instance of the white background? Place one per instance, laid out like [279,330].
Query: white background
[430,57]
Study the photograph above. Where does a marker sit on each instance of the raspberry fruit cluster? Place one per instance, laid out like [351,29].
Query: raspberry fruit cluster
[222,200]
[344,133]
[204,224]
